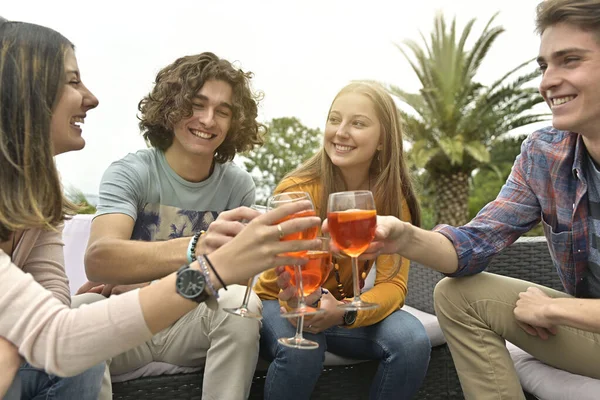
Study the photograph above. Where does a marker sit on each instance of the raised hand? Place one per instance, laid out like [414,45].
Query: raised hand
[227,225]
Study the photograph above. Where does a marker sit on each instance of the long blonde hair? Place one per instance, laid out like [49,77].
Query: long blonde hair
[388,169]
[31,80]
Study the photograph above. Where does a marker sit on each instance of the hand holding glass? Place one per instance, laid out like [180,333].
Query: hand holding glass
[242,310]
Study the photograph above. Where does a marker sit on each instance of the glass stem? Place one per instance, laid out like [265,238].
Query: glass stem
[247,294]
[299,325]
[355,279]
[299,286]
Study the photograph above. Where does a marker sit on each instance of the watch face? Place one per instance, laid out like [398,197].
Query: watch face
[190,283]
[350,317]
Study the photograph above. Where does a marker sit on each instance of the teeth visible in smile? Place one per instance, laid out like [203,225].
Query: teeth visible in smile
[76,121]
[343,148]
[201,134]
[562,100]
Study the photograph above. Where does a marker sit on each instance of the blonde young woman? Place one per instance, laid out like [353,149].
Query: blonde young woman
[362,150]
[42,105]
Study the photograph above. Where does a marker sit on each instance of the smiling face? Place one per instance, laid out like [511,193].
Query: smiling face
[353,132]
[570,63]
[204,131]
[70,111]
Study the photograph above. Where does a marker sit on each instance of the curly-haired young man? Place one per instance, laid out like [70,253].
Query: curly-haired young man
[156,202]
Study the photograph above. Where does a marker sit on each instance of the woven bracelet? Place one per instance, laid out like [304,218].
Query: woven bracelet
[206,274]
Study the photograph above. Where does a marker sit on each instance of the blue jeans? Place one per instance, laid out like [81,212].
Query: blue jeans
[399,342]
[36,384]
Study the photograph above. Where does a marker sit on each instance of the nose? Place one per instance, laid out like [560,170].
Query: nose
[89,100]
[207,117]
[550,79]
[342,130]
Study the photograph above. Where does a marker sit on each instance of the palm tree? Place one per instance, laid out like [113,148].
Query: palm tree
[457,119]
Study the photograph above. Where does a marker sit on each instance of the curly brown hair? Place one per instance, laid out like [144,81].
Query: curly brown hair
[170,101]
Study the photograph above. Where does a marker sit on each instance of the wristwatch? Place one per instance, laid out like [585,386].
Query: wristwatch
[190,283]
[349,317]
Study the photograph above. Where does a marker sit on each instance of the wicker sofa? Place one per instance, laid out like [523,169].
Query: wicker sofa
[352,381]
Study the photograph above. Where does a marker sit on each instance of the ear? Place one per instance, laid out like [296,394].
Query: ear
[379,147]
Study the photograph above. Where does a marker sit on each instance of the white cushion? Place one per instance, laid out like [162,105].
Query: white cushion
[75,237]
[549,383]
[431,324]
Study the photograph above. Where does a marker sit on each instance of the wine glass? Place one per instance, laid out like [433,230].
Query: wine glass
[242,310]
[314,274]
[352,220]
[279,200]
[302,309]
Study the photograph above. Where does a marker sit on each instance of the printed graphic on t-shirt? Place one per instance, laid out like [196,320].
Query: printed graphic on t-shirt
[157,222]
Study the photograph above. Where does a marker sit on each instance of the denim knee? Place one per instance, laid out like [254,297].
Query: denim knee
[410,341]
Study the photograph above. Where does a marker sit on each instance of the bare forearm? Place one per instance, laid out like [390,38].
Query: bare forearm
[431,249]
[121,261]
[9,365]
[577,313]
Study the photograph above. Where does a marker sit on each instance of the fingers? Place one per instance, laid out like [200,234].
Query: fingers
[288,295]
[542,333]
[325,226]
[283,279]
[96,289]
[297,225]
[282,249]
[238,214]
[107,290]
[86,287]
[527,328]
[223,227]
[277,214]
[313,297]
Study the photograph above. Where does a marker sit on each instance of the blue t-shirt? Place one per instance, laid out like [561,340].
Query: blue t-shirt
[164,205]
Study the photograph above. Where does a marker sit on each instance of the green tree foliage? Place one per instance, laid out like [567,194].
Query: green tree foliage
[456,119]
[487,182]
[287,145]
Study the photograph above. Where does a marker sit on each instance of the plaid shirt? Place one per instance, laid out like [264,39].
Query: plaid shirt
[547,183]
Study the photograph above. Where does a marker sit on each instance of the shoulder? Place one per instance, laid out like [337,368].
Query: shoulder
[550,137]
[298,184]
[234,173]
[139,159]
[133,165]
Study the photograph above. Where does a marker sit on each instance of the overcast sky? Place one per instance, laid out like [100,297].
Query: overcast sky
[301,52]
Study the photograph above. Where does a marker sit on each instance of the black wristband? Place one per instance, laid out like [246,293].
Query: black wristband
[215,271]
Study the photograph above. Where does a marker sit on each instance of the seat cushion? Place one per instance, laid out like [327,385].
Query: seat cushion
[549,383]
[431,324]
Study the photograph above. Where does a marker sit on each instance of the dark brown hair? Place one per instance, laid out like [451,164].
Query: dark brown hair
[32,78]
[171,100]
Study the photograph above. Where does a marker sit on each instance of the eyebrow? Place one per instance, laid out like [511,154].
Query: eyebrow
[353,116]
[561,53]
[204,98]
[73,71]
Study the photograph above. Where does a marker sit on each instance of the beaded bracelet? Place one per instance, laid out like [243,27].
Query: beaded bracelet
[191,250]
[206,274]
[214,271]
